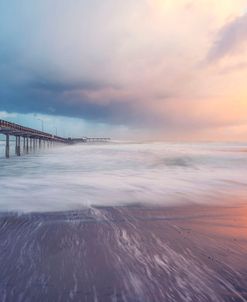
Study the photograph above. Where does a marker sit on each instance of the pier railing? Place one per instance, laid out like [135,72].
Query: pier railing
[33,139]
[8,128]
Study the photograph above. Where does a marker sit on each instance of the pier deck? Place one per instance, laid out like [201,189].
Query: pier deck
[33,138]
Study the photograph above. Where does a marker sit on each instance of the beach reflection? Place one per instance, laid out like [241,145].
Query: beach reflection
[125,254]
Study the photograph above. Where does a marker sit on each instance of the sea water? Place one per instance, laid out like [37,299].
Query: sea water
[124,222]
[123,173]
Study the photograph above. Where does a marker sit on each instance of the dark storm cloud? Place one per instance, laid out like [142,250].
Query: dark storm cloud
[23,90]
[54,58]
[50,98]
[66,87]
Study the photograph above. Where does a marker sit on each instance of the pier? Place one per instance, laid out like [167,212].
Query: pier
[89,140]
[32,139]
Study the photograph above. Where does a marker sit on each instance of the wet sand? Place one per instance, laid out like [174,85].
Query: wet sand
[187,253]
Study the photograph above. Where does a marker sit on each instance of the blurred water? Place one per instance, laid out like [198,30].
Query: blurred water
[74,177]
[130,253]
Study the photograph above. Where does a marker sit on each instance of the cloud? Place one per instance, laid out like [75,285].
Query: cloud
[230,39]
[97,61]
[128,63]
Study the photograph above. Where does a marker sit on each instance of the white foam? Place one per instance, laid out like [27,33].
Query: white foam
[79,176]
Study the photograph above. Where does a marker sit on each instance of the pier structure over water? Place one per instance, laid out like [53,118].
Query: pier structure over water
[32,139]
[89,140]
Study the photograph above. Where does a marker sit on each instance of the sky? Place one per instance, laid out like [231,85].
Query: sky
[147,69]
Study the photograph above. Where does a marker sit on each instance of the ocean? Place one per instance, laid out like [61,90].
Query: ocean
[124,222]
[74,177]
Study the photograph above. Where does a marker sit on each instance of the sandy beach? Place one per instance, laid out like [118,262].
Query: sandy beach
[134,253]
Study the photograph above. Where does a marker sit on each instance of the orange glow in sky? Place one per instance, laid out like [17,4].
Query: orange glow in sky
[172,69]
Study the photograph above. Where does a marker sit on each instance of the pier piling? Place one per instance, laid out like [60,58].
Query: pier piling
[18,151]
[7,146]
[16,142]
[27,146]
[34,139]
[24,144]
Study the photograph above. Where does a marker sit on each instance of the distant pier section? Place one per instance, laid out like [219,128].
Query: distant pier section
[89,140]
[28,139]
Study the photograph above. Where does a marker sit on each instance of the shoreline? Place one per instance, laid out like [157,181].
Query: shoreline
[125,254]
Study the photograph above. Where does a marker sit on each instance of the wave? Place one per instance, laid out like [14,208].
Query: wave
[75,177]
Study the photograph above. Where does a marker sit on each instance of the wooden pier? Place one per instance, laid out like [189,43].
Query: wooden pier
[33,139]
